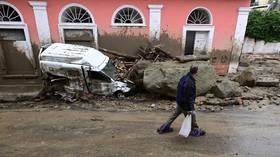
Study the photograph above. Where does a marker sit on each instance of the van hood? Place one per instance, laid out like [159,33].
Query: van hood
[75,54]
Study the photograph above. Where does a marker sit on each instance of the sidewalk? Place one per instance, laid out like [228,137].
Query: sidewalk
[13,90]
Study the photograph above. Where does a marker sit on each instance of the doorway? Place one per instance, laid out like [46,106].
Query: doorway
[190,38]
[12,60]
[196,42]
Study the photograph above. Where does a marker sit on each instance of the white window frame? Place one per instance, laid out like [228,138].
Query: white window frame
[128,24]
[89,26]
[203,8]
[20,25]
[199,27]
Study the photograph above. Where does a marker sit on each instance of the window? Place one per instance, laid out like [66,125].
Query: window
[128,16]
[8,14]
[75,14]
[98,77]
[77,25]
[199,16]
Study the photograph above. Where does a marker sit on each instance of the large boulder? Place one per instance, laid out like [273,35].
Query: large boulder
[267,81]
[163,77]
[246,77]
[224,88]
[137,73]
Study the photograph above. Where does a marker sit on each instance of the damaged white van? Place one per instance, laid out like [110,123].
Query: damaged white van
[84,68]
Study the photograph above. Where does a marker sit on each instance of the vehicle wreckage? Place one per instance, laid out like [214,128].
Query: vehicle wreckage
[81,69]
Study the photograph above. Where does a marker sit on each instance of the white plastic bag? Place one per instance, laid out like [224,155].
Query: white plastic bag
[186,126]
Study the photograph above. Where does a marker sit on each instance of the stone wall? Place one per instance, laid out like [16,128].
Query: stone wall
[260,47]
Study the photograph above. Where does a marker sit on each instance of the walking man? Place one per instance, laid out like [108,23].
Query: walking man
[185,98]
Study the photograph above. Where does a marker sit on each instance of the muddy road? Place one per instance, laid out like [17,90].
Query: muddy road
[72,133]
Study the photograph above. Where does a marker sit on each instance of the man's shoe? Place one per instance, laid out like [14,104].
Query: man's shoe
[197,132]
[165,130]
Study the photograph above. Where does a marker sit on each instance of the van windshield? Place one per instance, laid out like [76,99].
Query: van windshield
[110,70]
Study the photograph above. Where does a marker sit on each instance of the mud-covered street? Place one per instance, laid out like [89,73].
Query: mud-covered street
[239,112]
[33,132]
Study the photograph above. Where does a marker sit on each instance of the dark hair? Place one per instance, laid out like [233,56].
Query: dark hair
[194,69]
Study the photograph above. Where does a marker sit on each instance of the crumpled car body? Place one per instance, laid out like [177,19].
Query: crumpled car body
[85,68]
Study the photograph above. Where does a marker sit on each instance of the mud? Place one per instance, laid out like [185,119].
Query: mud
[36,49]
[171,45]
[103,134]
[16,61]
[128,43]
[123,43]
[80,37]
[220,59]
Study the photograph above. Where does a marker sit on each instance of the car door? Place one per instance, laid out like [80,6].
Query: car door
[99,83]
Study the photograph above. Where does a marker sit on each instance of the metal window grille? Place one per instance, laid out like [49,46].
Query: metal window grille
[76,14]
[128,16]
[8,14]
[199,16]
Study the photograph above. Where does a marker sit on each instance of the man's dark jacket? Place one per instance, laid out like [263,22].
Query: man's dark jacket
[186,92]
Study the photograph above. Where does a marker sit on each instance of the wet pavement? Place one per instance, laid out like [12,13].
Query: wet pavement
[72,133]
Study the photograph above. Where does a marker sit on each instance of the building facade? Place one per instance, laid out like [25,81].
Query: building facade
[188,27]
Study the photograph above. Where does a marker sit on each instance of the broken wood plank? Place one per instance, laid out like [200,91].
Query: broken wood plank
[157,48]
[183,59]
[117,53]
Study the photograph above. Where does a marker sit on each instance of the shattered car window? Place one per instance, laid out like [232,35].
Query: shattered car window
[98,76]
[110,70]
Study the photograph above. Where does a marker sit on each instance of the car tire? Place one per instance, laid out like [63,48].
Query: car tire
[119,94]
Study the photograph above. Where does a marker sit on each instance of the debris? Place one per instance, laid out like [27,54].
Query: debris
[247,102]
[226,89]
[154,54]
[96,119]
[115,53]
[79,69]
[244,61]
[209,95]
[136,73]
[245,89]
[208,108]
[184,59]
[276,103]
[221,102]
[246,78]
[267,81]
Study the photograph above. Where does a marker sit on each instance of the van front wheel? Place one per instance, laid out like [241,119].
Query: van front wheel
[119,94]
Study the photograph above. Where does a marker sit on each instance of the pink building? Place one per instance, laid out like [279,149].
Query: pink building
[182,27]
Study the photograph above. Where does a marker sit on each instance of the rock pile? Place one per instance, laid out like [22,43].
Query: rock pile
[162,77]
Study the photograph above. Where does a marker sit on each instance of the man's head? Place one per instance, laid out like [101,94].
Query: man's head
[193,69]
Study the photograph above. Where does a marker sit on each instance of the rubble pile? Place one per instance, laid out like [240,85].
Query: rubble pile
[154,54]
[224,88]
[255,86]
[125,63]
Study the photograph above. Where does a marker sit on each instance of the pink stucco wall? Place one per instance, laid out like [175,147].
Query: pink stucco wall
[174,14]
[28,16]
[224,13]
[101,10]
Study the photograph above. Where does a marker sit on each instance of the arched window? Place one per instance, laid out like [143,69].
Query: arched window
[8,14]
[128,16]
[199,16]
[77,25]
[75,14]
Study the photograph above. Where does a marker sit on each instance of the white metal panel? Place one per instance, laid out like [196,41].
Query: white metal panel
[200,43]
